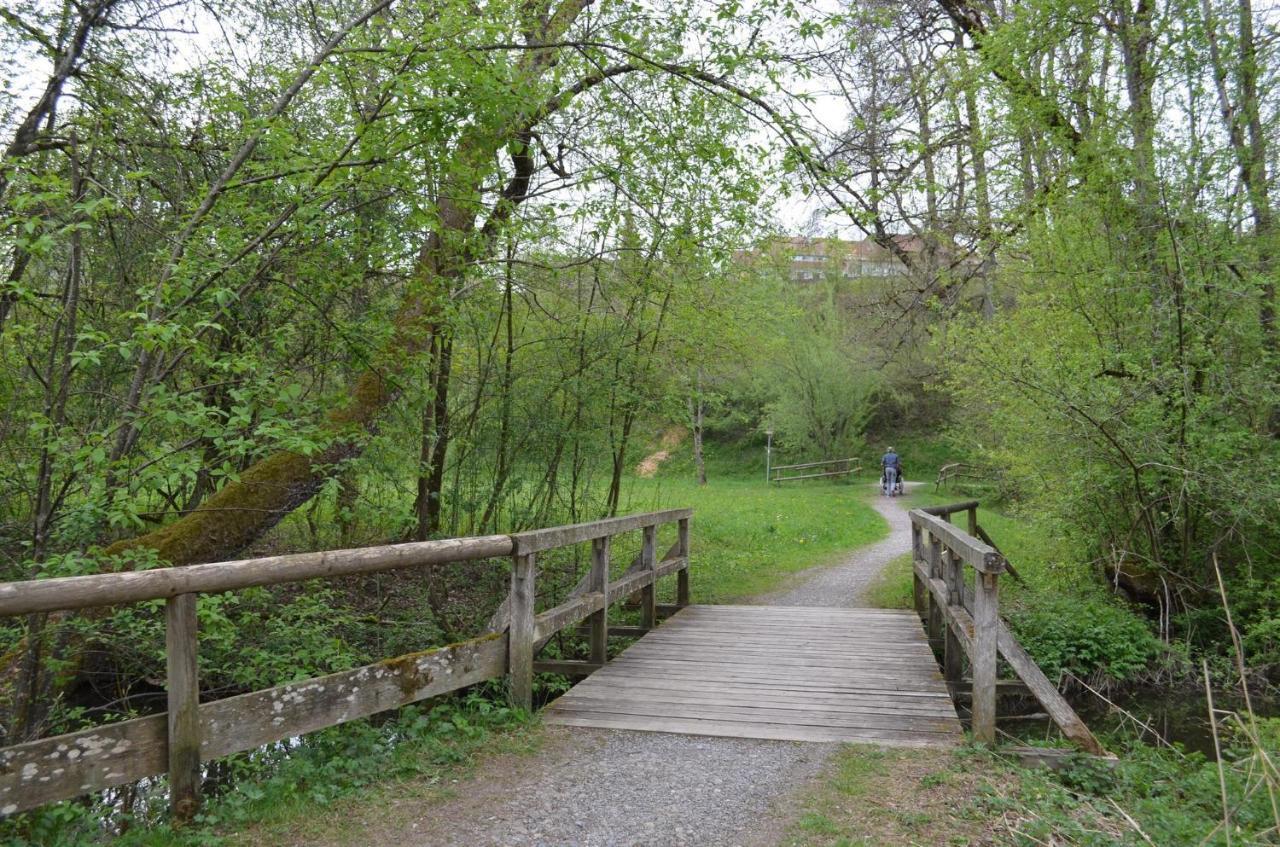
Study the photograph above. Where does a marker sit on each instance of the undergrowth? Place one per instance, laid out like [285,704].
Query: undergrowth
[281,784]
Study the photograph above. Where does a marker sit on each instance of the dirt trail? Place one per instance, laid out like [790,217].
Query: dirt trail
[670,440]
[596,788]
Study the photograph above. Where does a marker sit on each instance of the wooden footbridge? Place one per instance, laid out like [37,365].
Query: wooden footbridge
[801,674]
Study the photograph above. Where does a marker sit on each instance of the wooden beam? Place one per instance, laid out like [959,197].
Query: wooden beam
[939,511]
[649,563]
[682,552]
[111,589]
[983,658]
[567,668]
[565,615]
[183,685]
[981,557]
[66,766]
[562,536]
[520,646]
[599,638]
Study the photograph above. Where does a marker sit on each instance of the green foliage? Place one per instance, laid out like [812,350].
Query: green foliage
[282,781]
[1090,638]
[1174,798]
[748,537]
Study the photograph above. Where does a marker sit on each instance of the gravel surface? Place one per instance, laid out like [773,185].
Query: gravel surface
[597,788]
[845,583]
[601,788]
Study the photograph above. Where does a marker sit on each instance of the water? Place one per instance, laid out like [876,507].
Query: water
[1172,716]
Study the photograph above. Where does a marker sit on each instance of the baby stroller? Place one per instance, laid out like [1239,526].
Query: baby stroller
[891,481]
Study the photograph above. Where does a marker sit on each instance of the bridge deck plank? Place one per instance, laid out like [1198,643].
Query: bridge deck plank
[773,672]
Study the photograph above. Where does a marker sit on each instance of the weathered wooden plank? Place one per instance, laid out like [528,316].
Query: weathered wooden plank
[682,552]
[566,614]
[520,646]
[980,556]
[882,705]
[983,658]
[1047,693]
[250,720]
[940,511]
[110,589]
[934,691]
[952,652]
[562,536]
[599,623]
[629,631]
[921,681]
[752,714]
[183,725]
[746,729]
[66,766]
[783,709]
[649,562]
[567,667]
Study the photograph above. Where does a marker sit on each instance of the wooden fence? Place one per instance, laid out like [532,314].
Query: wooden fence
[832,467]
[965,619]
[190,732]
[957,470]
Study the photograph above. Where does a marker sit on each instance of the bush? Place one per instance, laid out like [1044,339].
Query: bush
[1087,637]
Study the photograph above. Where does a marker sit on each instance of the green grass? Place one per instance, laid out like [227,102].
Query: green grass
[748,537]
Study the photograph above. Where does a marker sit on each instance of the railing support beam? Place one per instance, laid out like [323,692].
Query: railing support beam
[599,621]
[649,594]
[184,706]
[986,624]
[520,644]
[682,550]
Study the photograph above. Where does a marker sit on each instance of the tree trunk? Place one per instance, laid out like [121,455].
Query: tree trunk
[696,406]
[267,491]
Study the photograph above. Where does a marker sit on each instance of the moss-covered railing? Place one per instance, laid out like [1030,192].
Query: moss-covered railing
[190,732]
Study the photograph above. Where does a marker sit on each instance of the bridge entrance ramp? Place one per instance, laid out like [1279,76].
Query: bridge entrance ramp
[773,672]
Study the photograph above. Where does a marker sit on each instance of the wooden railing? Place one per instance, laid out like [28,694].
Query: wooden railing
[957,470]
[833,467]
[191,732]
[966,621]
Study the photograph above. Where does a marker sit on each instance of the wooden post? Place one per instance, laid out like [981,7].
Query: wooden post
[920,593]
[183,683]
[973,521]
[936,623]
[649,594]
[952,652]
[682,576]
[599,621]
[986,623]
[520,637]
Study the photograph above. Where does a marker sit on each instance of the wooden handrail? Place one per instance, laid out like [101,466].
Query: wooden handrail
[176,742]
[967,621]
[112,589]
[562,536]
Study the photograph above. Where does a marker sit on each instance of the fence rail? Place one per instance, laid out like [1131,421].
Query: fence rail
[967,620]
[843,467]
[191,732]
[957,470]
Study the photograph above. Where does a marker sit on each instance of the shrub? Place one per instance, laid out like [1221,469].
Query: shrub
[1086,637]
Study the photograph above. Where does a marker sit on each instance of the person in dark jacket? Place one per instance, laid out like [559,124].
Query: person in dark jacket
[891,460]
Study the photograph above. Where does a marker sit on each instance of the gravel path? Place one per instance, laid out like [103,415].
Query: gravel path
[600,788]
[845,583]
